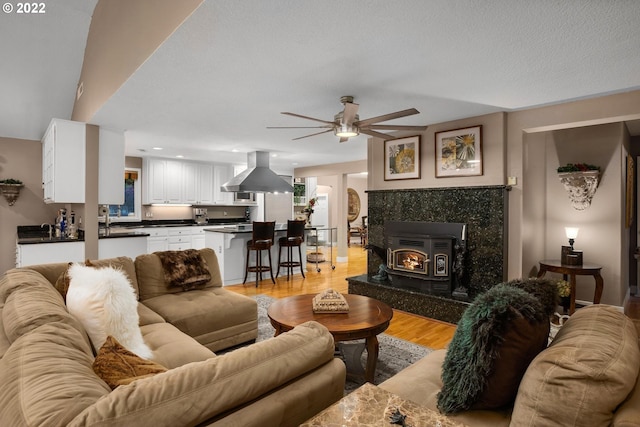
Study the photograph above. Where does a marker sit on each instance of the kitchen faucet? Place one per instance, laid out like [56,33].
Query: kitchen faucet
[50,229]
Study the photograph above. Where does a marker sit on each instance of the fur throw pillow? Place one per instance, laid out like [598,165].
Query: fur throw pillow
[104,301]
[544,290]
[186,269]
[496,339]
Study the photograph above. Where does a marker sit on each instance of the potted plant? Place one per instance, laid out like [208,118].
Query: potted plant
[580,180]
[564,292]
[308,210]
[11,189]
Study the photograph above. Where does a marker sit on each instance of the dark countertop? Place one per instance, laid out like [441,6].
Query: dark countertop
[238,229]
[35,234]
[179,223]
[37,240]
[32,240]
[108,234]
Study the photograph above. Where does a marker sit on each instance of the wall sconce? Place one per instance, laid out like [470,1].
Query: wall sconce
[569,256]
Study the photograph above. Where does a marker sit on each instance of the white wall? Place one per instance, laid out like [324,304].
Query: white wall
[600,225]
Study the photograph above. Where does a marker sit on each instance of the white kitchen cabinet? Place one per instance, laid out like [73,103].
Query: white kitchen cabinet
[45,253]
[122,246]
[197,183]
[162,181]
[158,239]
[222,174]
[197,238]
[205,184]
[179,238]
[63,162]
[111,170]
[190,182]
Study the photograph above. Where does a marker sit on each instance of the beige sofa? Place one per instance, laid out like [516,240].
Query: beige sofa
[588,376]
[46,358]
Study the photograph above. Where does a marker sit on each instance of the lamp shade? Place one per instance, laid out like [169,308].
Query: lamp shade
[571,232]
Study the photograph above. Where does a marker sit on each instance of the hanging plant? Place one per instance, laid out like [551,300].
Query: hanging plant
[578,167]
[11,181]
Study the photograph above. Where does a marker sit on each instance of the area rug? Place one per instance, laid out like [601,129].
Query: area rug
[394,355]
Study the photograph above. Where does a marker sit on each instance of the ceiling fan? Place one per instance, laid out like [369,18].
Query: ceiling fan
[347,123]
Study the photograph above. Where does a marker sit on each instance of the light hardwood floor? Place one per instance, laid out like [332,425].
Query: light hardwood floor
[410,327]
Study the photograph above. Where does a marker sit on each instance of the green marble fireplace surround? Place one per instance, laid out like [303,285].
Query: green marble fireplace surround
[483,209]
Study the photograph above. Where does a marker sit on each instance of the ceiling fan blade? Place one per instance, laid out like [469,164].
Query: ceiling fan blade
[397,127]
[300,127]
[313,134]
[308,118]
[385,117]
[349,113]
[375,134]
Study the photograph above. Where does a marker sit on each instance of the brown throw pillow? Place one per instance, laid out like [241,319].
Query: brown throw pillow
[62,284]
[118,366]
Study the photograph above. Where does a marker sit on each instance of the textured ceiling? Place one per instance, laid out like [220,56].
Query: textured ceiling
[233,66]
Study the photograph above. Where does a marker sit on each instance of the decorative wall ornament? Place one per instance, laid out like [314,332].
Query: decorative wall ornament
[580,186]
[11,190]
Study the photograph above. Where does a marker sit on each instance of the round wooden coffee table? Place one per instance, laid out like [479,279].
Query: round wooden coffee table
[366,319]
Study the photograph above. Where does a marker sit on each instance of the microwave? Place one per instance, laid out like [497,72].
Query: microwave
[244,197]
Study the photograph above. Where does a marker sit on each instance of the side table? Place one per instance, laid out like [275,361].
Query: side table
[555,266]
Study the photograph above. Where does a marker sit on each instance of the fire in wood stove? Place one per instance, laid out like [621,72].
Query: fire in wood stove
[424,256]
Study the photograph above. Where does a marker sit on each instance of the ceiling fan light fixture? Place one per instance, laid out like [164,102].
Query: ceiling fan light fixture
[346,130]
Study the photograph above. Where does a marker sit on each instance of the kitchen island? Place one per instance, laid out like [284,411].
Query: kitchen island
[230,245]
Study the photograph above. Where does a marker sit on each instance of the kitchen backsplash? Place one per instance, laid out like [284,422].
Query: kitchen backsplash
[186,212]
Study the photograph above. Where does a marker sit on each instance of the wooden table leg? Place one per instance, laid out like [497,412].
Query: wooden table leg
[572,297]
[599,287]
[278,329]
[352,354]
[372,358]
[542,271]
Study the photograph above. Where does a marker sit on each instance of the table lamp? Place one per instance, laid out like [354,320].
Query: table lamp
[572,233]
[569,256]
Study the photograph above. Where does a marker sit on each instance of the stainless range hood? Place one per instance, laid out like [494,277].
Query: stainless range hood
[257,178]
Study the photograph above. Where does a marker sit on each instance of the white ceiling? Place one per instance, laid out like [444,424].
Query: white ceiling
[233,66]
[41,61]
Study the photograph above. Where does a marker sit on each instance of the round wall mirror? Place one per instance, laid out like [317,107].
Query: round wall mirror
[354,205]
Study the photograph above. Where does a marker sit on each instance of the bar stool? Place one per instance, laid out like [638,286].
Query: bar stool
[294,237]
[261,240]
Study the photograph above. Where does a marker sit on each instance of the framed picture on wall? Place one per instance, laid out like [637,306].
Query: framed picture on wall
[459,152]
[402,158]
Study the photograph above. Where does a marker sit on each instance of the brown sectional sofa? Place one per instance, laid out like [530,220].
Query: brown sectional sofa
[588,376]
[46,358]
